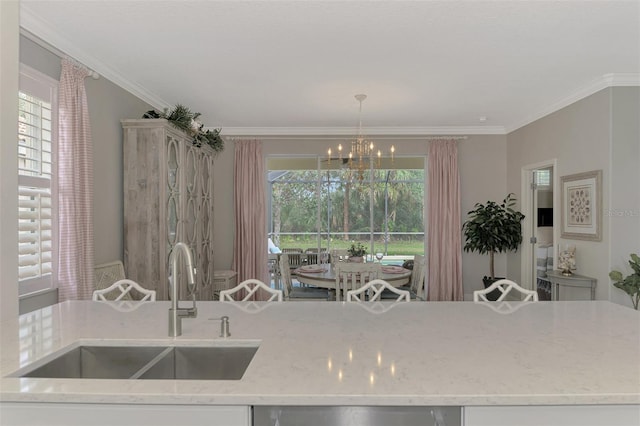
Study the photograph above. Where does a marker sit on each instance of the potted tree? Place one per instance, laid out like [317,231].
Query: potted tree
[631,283]
[493,228]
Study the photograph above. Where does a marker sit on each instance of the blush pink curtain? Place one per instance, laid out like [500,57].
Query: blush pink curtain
[75,187]
[444,277]
[250,245]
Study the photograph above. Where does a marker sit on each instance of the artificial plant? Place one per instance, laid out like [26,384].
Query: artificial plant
[631,283]
[357,250]
[184,119]
[493,228]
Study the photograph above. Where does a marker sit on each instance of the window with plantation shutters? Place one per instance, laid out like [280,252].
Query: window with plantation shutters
[36,154]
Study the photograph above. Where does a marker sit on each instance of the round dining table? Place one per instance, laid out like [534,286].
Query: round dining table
[324,276]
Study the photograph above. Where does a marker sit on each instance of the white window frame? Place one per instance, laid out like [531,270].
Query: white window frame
[39,85]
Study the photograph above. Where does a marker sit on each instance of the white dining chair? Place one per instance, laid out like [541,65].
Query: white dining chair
[373,290]
[105,274]
[505,287]
[122,290]
[351,276]
[298,293]
[251,287]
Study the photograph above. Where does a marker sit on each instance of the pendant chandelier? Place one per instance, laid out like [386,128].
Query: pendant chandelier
[361,154]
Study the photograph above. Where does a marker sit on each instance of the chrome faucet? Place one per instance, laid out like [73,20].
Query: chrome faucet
[175,313]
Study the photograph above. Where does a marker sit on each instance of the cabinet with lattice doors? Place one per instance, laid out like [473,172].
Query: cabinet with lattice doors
[168,198]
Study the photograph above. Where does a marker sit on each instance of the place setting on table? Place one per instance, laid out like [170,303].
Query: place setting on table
[393,269]
[323,275]
[311,269]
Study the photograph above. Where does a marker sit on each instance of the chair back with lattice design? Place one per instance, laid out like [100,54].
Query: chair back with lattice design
[372,292]
[124,290]
[505,287]
[247,290]
[108,273]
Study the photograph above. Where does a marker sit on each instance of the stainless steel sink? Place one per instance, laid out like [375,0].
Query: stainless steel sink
[97,362]
[200,363]
[147,363]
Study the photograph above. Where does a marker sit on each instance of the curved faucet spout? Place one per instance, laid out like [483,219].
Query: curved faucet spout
[175,313]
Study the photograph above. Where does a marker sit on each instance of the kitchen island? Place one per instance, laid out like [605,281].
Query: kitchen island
[491,359]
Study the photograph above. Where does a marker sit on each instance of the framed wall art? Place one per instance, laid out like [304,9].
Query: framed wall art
[581,207]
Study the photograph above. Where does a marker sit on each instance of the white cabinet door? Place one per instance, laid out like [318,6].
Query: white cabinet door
[561,415]
[37,414]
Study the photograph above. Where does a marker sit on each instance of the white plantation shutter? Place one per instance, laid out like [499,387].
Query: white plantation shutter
[34,232]
[36,154]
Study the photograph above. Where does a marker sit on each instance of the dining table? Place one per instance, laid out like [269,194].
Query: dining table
[323,275]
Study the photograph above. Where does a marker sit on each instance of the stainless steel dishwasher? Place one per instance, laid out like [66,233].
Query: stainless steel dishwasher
[356,416]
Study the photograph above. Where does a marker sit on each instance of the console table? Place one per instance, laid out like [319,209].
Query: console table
[574,280]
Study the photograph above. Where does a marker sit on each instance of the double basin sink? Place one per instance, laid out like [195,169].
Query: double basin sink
[146,363]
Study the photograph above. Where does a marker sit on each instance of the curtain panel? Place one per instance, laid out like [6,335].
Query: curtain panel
[444,229]
[250,244]
[75,187]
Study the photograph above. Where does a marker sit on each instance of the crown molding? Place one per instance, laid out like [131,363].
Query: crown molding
[49,37]
[622,79]
[607,80]
[369,131]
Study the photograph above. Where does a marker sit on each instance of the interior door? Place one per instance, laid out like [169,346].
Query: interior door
[540,233]
[534,226]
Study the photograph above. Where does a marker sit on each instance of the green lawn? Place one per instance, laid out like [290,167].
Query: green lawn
[394,248]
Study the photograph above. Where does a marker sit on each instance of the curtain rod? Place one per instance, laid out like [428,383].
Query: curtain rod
[455,138]
[59,53]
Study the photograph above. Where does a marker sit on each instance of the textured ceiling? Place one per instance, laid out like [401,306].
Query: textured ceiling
[427,67]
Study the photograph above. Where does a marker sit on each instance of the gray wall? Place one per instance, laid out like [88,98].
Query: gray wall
[108,104]
[623,213]
[582,137]
[483,166]
[9,44]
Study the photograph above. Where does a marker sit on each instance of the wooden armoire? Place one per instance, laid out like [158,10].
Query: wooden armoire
[168,198]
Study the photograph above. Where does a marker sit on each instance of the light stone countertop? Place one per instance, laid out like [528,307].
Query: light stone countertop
[337,353]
